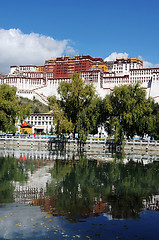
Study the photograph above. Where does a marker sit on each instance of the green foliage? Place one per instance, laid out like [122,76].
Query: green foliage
[34,106]
[61,123]
[13,108]
[9,108]
[127,112]
[154,131]
[43,133]
[51,130]
[78,186]
[27,106]
[9,172]
[24,111]
[77,110]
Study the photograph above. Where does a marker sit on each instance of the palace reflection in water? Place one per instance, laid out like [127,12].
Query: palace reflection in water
[79,186]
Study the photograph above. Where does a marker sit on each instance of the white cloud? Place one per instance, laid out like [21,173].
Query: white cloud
[113,56]
[17,48]
[147,64]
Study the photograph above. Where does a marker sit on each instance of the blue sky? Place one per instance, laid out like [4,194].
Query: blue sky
[97,28]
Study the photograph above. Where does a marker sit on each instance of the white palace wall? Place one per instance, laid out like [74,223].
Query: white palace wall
[30,83]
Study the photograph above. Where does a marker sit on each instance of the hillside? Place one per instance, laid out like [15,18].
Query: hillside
[35,106]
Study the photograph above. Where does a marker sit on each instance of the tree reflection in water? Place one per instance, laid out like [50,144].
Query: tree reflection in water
[83,188]
[10,170]
[13,170]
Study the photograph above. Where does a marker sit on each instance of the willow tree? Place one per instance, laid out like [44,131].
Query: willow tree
[127,112]
[77,107]
[61,123]
[154,131]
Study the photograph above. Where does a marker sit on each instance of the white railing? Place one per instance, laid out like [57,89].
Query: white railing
[142,142]
[88,141]
[47,138]
[22,138]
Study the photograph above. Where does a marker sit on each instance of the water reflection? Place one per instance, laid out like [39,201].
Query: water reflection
[79,186]
[10,171]
[87,187]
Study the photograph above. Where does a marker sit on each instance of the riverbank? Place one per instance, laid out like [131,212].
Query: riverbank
[42,142]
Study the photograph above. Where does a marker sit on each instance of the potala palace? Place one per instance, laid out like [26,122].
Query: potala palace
[42,81]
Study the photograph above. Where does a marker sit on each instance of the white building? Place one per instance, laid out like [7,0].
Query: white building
[32,82]
[41,122]
[122,66]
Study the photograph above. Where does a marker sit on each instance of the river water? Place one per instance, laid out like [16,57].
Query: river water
[76,195]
